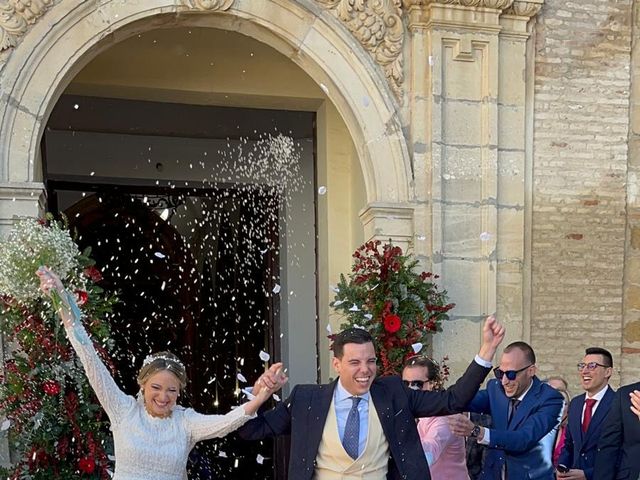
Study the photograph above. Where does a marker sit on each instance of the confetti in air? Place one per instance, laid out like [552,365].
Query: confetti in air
[485,236]
[198,276]
[322,190]
[416,347]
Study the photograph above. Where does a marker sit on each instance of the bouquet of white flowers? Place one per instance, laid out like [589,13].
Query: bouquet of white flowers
[31,244]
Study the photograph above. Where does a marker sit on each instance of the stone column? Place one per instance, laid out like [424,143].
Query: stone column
[388,221]
[19,199]
[629,365]
[467,101]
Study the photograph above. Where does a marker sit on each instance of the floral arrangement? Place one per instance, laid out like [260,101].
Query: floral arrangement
[55,426]
[401,309]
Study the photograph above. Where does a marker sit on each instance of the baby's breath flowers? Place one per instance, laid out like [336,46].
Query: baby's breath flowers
[31,244]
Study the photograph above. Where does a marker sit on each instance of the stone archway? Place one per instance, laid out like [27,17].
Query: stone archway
[57,47]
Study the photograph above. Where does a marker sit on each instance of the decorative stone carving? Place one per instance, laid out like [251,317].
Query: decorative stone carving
[377,25]
[497,4]
[15,18]
[17,15]
[525,8]
[208,4]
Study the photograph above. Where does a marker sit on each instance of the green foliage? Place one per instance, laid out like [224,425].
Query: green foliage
[401,309]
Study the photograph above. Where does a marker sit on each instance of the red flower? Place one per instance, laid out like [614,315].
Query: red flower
[51,387]
[87,465]
[93,274]
[81,297]
[392,323]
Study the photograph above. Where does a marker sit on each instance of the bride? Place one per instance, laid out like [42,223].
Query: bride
[153,435]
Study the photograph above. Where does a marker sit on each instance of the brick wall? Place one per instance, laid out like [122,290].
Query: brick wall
[581,126]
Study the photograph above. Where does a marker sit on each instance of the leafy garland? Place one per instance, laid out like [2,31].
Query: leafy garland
[55,426]
[399,307]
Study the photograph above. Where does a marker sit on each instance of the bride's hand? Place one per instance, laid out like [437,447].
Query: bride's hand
[49,281]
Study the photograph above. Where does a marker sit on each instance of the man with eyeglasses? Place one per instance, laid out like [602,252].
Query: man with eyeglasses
[525,413]
[586,415]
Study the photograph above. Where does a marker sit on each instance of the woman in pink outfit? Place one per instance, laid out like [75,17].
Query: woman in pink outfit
[561,385]
[445,452]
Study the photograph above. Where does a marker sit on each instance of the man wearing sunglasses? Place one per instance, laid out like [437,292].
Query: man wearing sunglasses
[525,413]
[586,415]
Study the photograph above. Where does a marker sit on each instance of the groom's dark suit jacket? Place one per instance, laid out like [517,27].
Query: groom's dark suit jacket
[304,413]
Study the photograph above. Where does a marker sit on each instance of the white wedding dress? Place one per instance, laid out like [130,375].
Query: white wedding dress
[146,447]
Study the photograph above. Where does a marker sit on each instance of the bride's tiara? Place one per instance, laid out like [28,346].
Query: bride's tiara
[151,358]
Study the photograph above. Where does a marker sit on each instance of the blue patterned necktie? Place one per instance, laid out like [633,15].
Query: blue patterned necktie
[351,438]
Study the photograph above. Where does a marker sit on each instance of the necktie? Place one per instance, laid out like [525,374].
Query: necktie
[351,438]
[513,406]
[588,411]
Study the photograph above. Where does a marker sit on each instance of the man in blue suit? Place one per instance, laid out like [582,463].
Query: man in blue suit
[586,415]
[525,413]
[360,426]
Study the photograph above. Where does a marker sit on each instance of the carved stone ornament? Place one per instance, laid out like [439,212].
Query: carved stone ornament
[208,4]
[497,4]
[377,25]
[15,18]
[525,8]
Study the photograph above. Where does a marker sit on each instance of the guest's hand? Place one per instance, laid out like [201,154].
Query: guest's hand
[492,335]
[573,474]
[460,425]
[635,402]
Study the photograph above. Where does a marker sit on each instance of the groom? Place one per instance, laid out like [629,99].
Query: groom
[360,426]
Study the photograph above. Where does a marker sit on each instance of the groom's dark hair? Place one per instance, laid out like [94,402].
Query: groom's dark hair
[351,335]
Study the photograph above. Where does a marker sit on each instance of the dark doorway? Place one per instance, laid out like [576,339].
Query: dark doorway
[194,248]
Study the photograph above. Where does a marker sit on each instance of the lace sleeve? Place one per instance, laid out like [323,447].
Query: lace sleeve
[204,427]
[114,401]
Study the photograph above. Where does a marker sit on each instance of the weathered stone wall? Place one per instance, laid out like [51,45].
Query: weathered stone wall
[581,126]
